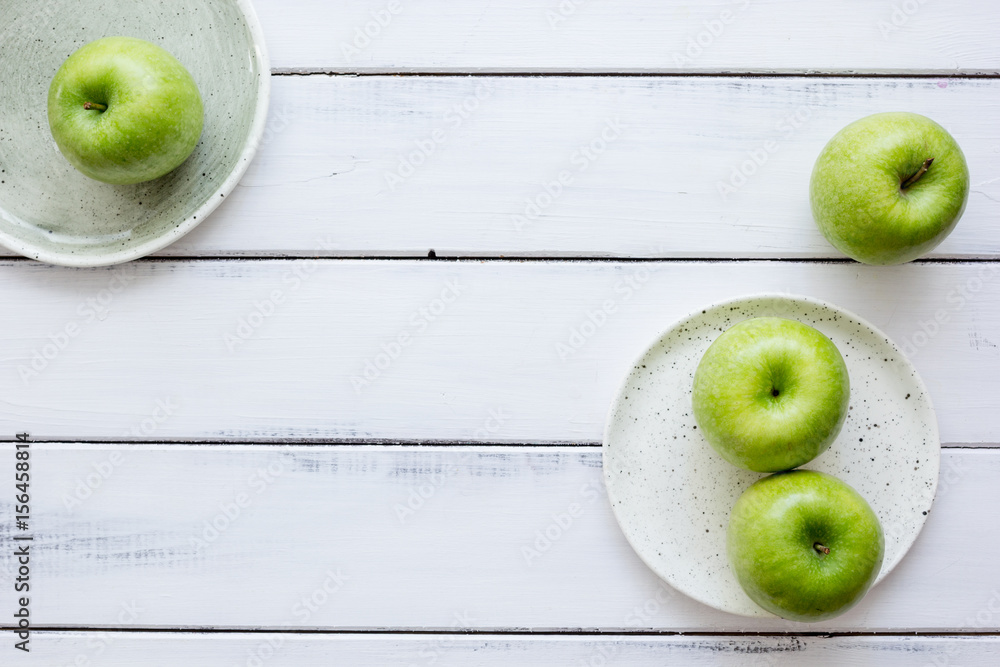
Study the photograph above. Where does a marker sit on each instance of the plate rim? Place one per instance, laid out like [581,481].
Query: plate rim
[691,315]
[196,217]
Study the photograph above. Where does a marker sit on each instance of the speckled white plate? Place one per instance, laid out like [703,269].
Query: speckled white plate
[51,212]
[672,493]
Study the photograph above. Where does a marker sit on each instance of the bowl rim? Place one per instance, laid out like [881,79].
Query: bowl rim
[196,217]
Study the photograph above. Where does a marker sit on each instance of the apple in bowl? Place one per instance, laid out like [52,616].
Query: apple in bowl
[771,394]
[123,110]
[804,545]
[889,187]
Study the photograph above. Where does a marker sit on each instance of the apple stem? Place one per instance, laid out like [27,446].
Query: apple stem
[822,549]
[916,177]
[94,105]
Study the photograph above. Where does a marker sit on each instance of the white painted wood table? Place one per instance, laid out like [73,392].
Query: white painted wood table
[324,427]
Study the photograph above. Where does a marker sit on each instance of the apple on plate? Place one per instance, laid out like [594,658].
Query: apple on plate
[123,110]
[888,188]
[771,394]
[804,545]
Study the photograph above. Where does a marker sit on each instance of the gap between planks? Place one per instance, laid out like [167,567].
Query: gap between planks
[634,73]
[346,442]
[541,259]
[485,633]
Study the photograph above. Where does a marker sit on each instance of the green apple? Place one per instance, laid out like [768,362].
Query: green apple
[889,188]
[804,545]
[771,394]
[123,110]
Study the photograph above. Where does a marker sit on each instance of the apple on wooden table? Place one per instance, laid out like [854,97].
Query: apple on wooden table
[804,545]
[771,394]
[123,110]
[889,188]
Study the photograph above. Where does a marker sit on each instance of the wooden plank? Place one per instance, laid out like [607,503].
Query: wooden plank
[500,174]
[638,35]
[456,351]
[630,202]
[372,537]
[634,167]
[110,649]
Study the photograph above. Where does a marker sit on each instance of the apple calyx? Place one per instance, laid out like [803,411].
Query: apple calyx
[94,105]
[821,549]
[916,177]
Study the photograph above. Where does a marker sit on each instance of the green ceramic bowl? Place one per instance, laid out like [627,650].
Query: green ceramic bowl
[51,212]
